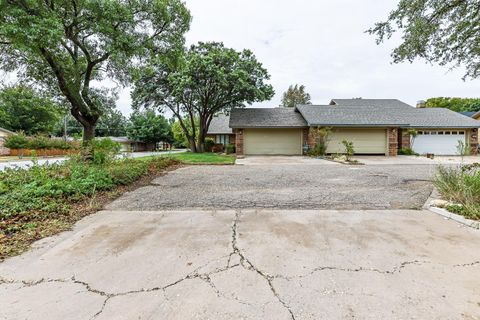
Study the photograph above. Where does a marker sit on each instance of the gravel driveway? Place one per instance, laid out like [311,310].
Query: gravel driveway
[285,187]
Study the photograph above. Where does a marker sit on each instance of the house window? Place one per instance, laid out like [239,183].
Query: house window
[222,138]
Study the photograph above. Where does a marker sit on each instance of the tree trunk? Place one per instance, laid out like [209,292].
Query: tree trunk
[192,144]
[88,133]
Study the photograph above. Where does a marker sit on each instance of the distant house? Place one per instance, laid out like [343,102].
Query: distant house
[3,134]
[129,145]
[220,130]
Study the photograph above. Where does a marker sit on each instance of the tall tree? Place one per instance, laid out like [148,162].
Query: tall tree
[65,45]
[149,127]
[295,95]
[207,79]
[440,31]
[455,104]
[24,109]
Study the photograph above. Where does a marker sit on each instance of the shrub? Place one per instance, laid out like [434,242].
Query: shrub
[462,186]
[39,142]
[16,141]
[104,150]
[209,143]
[230,148]
[407,152]
[349,149]
[321,138]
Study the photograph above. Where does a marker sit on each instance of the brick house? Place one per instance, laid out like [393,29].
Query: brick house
[220,131]
[375,126]
[3,134]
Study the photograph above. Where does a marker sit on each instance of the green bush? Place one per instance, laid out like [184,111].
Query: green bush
[349,149]
[460,185]
[16,141]
[230,148]
[407,152]
[104,150]
[209,143]
[20,141]
[318,150]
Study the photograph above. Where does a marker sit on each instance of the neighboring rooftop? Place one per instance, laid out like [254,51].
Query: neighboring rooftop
[266,118]
[360,102]
[220,125]
[468,113]
[371,116]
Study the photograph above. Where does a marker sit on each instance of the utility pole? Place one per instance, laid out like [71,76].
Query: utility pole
[65,128]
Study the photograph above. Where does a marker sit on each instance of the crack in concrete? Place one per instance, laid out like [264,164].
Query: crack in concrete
[248,265]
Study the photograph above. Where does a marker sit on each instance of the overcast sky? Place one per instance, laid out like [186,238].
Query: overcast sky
[321,44]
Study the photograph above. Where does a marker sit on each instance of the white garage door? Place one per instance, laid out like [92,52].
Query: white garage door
[365,141]
[273,141]
[438,142]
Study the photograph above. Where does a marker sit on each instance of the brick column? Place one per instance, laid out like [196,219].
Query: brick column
[239,142]
[473,141]
[392,139]
[403,139]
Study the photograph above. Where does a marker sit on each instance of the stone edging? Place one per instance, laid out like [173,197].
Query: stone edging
[447,214]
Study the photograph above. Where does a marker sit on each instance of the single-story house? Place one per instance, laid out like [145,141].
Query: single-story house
[375,126]
[220,131]
[129,145]
[3,134]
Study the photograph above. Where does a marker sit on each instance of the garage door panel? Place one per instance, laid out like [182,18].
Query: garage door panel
[273,141]
[365,141]
[441,144]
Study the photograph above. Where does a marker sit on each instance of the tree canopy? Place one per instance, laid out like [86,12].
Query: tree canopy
[149,127]
[64,45]
[455,104]
[24,109]
[206,79]
[439,31]
[295,95]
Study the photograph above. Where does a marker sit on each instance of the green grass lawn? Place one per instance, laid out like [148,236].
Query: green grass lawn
[202,158]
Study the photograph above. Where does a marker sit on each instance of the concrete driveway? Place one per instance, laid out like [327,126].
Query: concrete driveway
[152,256]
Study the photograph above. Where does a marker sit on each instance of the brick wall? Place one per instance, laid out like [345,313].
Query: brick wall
[392,140]
[403,139]
[473,141]
[239,142]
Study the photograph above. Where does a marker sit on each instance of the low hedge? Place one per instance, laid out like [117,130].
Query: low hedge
[21,141]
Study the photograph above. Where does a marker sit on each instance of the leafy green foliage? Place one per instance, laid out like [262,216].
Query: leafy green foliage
[230,148]
[64,45]
[206,80]
[407,152]
[462,186]
[180,139]
[40,201]
[321,137]
[295,95]
[439,31]
[209,143]
[104,150]
[349,149]
[149,127]
[455,104]
[21,141]
[24,109]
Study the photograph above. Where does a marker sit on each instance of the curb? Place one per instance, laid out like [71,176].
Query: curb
[455,217]
[447,214]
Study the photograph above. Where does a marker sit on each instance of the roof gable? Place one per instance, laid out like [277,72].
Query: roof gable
[220,125]
[360,102]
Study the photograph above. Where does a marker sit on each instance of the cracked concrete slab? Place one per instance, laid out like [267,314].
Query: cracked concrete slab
[249,264]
